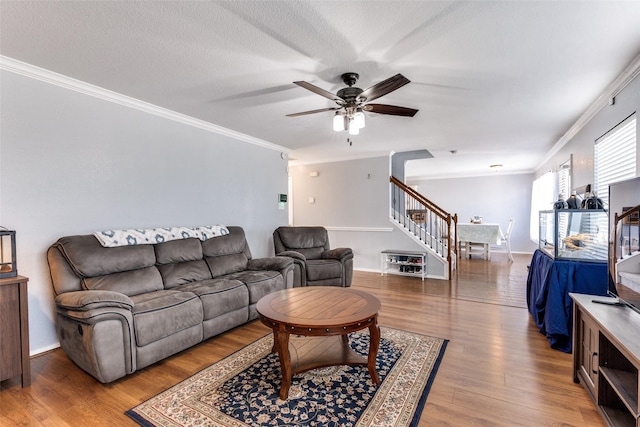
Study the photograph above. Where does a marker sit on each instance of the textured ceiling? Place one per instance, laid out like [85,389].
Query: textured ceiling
[499,82]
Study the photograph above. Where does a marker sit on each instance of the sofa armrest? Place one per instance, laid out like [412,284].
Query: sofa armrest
[341,254]
[96,331]
[293,254]
[101,341]
[90,300]
[277,263]
[299,270]
[283,265]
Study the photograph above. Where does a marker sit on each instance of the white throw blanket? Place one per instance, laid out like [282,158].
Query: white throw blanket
[137,236]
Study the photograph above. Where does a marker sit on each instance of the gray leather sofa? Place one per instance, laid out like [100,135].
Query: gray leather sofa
[316,264]
[120,309]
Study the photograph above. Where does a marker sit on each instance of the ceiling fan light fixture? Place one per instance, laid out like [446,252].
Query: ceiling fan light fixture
[353,101]
[339,121]
[353,129]
[358,118]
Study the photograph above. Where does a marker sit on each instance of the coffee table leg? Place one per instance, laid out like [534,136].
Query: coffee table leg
[374,345]
[281,342]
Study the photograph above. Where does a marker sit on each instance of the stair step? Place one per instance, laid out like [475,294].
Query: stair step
[633,277]
[626,256]
[631,280]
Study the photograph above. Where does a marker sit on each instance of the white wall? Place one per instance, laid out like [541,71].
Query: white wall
[74,164]
[351,199]
[355,195]
[347,194]
[581,145]
[495,198]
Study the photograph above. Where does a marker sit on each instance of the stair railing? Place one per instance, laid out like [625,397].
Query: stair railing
[431,224]
[623,242]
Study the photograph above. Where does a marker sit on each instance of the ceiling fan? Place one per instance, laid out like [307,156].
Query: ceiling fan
[353,101]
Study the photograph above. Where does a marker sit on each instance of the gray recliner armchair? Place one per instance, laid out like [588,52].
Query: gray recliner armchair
[315,264]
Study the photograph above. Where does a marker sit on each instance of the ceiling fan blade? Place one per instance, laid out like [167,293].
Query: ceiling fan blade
[304,113]
[384,87]
[390,109]
[320,91]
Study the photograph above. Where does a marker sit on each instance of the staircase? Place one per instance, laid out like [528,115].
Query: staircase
[625,250]
[426,223]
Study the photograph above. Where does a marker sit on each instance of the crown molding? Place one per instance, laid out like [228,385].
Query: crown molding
[627,76]
[414,178]
[37,73]
[294,163]
[358,229]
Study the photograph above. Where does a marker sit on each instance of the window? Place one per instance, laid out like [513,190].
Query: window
[564,180]
[615,157]
[564,190]
[614,160]
[541,199]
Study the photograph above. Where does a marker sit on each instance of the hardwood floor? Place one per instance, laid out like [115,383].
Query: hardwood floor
[498,370]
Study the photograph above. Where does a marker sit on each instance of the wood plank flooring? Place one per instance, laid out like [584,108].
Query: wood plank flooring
[498,370]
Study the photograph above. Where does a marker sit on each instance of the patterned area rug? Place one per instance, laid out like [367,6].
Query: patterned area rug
[242,389]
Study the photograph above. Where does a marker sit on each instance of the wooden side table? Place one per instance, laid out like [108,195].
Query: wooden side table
[14,330]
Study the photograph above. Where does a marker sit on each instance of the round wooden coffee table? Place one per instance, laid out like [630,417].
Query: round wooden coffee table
[320,312]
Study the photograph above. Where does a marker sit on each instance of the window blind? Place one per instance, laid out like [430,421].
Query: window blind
[614,160]
[564,181]
[615,157]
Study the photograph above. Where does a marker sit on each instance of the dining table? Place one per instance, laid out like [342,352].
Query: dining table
[484,234]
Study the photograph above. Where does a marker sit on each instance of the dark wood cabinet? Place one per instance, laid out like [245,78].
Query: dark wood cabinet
[588,354]
[14,330]
[606,357]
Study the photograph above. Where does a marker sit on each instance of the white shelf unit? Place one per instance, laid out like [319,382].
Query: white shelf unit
[404,263]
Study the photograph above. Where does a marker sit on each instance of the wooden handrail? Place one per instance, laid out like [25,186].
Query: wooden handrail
[613,254]
[625,214]
[420,198]
[451,221]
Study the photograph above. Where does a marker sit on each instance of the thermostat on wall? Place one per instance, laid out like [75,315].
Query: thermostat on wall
[282,201]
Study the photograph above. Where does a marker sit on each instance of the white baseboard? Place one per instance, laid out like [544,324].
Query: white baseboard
[41,350]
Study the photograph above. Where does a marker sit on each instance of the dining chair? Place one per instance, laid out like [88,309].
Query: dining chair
[483,249]
[506,238]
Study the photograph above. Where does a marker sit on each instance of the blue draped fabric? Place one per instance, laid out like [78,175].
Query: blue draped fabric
[548,286]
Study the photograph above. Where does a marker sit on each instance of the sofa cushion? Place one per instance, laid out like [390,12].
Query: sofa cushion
[321,269]
[259,283]
[88,258]
[233,243]
[160,314]
[178,251]
[310,253]
[184,272]
[130,283]
[226,264]
[219,296]
[227,254]
[180,261]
